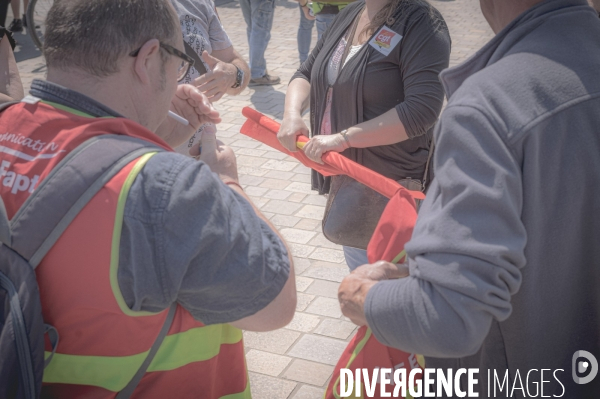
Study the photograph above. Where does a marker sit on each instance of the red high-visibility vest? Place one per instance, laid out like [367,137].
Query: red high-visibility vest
[103,342]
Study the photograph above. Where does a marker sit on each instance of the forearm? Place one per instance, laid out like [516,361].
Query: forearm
[297,98]
[386,129]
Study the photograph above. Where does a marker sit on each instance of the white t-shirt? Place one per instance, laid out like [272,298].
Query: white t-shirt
[202,30]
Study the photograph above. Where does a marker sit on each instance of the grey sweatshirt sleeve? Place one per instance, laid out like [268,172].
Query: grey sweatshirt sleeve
[187,237]
[425,53]
[467,247]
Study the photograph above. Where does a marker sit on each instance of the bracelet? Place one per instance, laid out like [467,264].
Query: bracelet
[234,183]
[344,135]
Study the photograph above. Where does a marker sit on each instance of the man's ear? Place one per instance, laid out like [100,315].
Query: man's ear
[146,59]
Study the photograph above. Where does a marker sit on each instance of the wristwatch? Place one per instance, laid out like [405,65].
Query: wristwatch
[239,78]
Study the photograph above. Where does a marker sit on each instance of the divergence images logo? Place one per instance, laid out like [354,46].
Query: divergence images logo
[581,366]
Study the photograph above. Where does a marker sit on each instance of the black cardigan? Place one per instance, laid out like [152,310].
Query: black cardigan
[371,84]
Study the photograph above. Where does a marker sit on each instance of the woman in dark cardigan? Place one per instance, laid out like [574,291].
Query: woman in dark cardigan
[379,107]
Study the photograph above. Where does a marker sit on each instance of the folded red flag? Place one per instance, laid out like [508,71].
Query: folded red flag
[265,129]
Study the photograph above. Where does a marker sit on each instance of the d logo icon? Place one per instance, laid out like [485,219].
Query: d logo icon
[582,367]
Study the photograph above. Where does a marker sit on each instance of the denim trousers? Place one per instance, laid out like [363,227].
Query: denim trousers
[304,36]
[323,22]
[355,257]
[259,20]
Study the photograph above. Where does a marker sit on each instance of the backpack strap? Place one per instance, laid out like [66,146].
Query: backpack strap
[47,213]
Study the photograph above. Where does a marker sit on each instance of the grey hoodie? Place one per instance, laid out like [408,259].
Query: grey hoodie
[505,257]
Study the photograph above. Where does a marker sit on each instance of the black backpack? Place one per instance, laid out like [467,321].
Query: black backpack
[27,238]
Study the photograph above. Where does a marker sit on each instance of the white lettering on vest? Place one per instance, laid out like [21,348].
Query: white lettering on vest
[16,181]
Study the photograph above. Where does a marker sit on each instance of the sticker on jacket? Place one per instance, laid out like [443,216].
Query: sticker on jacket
[385,40]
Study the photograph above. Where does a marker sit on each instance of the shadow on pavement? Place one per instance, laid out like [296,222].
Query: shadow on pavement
[268,100]
[25,49]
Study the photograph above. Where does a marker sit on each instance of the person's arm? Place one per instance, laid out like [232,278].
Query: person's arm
[425,53]
[223,73]
[466,251]
[223,62]
[11,88]
[306,10]
[190,238]
[296,102]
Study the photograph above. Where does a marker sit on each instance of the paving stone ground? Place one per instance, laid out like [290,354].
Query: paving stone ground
[296,361]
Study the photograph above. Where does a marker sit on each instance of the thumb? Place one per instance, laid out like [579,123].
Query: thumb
[209,59]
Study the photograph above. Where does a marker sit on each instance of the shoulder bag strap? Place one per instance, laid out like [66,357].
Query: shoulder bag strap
[47,213]
[198,64]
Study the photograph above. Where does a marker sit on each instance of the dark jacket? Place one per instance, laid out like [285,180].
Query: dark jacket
[505,257]
[371,84]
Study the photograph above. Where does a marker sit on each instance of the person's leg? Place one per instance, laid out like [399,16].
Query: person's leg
[355,257]
[247,13]
[16,25]
[3,11]
[262,21]
[304,35]
[323,22]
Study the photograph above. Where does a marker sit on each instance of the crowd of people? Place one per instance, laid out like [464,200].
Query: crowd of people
[502,269]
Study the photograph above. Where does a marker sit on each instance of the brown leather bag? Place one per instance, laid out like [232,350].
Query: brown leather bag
[353,211]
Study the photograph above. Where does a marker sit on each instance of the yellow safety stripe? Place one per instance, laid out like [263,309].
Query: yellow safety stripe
[116,239]
[113,373]
[355,353]
[399,257]
[71,110]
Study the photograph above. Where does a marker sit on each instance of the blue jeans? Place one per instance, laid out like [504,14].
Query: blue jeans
[304,36]
[259,20]
[355,257]
[323,22]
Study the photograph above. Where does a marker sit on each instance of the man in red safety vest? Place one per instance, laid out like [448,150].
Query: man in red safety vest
[165,230]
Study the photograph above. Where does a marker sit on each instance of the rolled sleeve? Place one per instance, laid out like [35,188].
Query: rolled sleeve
[187,237]
[467,248]
[425,53]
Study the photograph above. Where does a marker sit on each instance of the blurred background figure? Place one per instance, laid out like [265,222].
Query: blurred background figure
[11,88]
[326,11]
[596,5]
[17,23]
[307,21]
[259,20]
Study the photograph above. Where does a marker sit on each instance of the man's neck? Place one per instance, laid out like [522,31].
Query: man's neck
[503,12]
[102,90]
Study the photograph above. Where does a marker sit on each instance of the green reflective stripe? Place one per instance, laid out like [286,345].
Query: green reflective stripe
[116,239]
[400,256]
[67,109]
[194,345]
[355,353]
[113,373]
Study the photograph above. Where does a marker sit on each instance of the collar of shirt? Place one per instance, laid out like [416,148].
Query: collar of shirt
[49,91]
[503,42]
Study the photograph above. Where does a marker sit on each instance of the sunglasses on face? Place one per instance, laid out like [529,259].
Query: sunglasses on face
[186,61]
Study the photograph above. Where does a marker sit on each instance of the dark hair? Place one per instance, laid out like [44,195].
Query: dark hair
[394,8]
[92,35]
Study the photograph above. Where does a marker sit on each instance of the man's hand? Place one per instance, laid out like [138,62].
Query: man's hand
[319,145]
[191,104]
[218,80]
[218,157]
[355,287]
[291,127]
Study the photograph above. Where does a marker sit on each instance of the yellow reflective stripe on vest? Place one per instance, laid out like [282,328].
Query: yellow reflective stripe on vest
[113,373]
[116,239]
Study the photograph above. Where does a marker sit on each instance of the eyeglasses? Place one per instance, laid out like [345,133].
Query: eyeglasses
[186,61]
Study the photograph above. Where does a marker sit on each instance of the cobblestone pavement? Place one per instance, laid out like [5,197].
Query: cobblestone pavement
[296,361]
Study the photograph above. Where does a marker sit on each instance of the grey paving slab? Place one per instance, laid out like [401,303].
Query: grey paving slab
[278,341]
[318,349]
[335,328]
[266,363]
[308,392]
[266,387]
[308,372]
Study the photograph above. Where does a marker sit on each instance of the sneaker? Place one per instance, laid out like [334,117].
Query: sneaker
[16,26]
[266,80]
